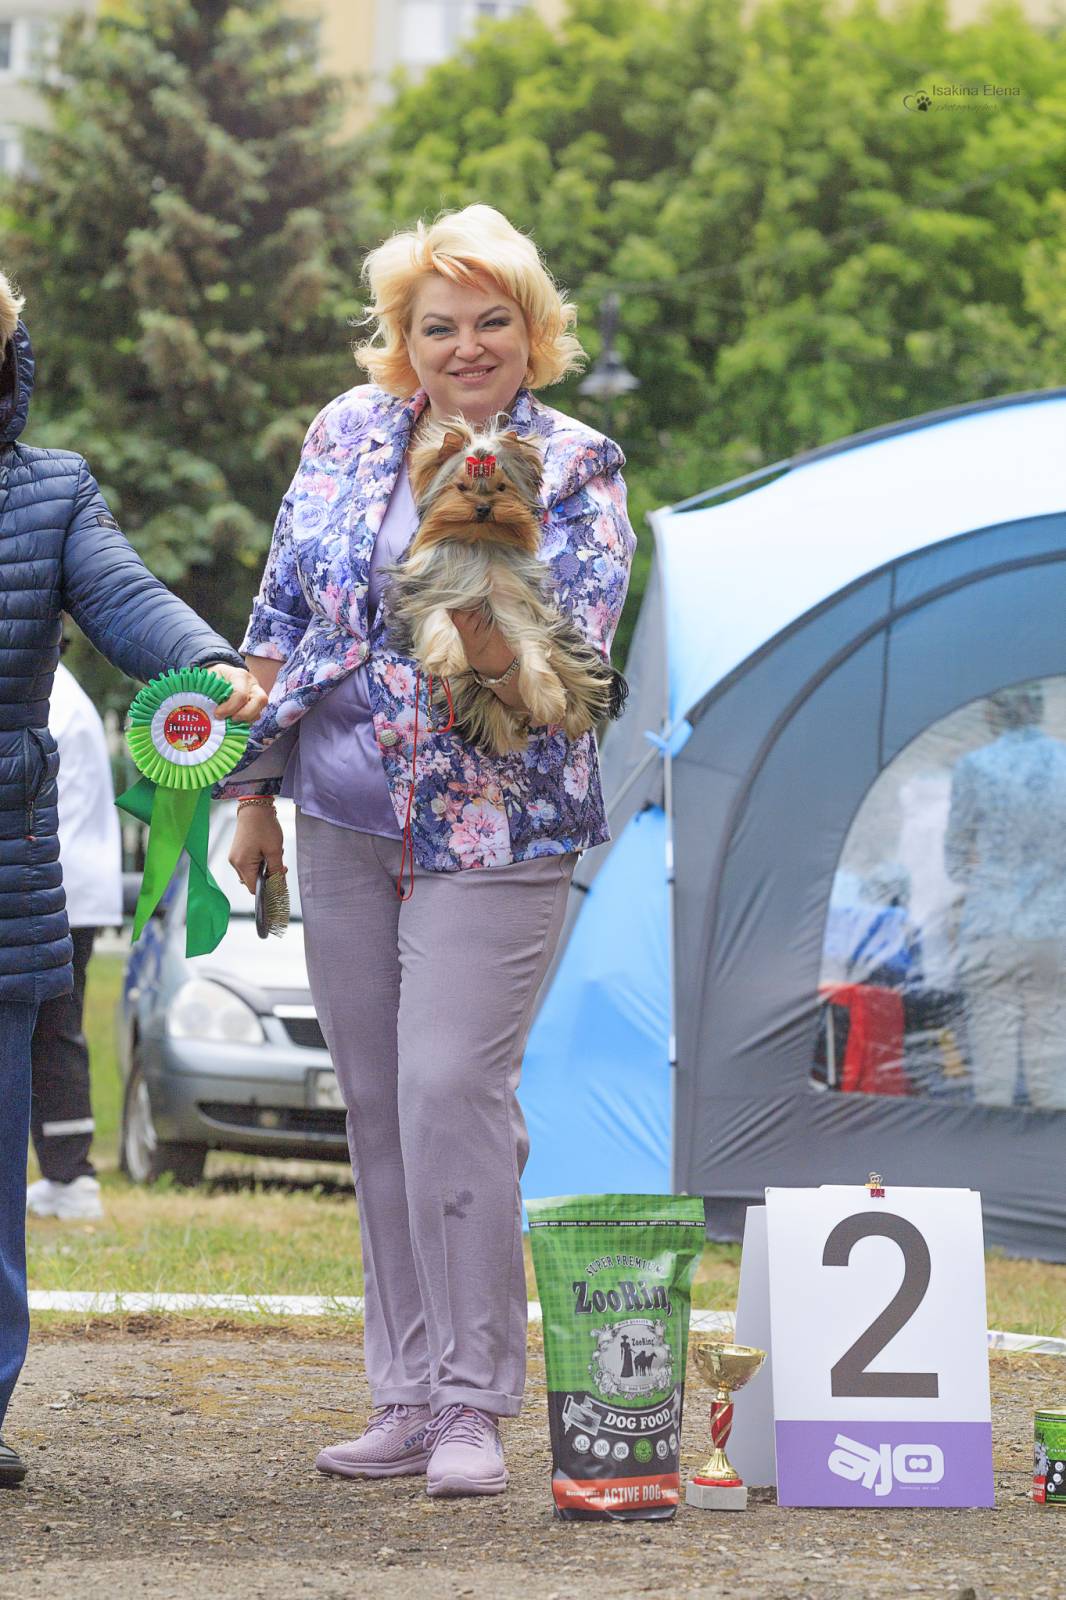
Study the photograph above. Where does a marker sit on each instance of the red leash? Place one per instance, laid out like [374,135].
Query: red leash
[408,842]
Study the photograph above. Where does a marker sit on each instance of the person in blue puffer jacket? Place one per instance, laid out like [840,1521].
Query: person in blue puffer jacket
[60,549]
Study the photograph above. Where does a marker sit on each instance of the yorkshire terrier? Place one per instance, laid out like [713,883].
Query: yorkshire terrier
[480,525]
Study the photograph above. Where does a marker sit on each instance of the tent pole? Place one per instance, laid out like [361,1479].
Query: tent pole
[656,521]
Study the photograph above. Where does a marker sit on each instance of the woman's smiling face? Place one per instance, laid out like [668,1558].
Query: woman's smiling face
[468,345]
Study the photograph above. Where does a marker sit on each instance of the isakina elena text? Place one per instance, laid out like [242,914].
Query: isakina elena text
[976,89]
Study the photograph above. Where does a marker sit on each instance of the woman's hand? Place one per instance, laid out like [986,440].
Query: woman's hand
[486,648]
[248,700]
[489,653]
[258,837]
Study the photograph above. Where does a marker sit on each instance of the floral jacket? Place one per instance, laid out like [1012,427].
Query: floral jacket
[468,809]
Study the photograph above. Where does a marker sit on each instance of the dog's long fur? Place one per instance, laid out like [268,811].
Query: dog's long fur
[480,525]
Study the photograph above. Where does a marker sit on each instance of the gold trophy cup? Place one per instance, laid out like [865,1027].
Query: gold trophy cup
[716,1486]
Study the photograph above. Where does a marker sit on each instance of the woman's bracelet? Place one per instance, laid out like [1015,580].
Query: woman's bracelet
[505,677]
[255,800]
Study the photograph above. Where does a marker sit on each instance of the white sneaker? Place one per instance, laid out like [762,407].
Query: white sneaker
[70,1202]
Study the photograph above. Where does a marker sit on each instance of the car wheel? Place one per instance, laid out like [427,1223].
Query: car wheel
[144,1157]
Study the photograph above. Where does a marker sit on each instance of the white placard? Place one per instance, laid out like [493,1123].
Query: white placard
[878,1347]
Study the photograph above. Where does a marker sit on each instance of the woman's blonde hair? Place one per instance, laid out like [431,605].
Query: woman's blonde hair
[11,304]
[465,246]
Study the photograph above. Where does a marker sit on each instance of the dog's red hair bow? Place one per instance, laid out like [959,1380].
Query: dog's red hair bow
[480,466]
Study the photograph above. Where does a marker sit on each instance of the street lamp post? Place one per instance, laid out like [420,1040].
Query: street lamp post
[610,378]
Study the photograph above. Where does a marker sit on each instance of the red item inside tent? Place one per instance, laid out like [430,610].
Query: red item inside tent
[873,1056]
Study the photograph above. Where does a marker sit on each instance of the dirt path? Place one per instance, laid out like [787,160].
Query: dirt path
[176,1466]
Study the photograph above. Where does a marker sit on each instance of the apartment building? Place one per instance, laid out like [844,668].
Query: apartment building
[25,29]
[363,42]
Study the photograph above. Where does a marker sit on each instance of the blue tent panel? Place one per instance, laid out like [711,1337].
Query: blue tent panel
[596,1080]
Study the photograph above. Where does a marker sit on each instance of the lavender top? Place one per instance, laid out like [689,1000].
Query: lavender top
[335,769]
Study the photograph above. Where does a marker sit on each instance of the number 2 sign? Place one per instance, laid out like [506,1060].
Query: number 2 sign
[878,1346]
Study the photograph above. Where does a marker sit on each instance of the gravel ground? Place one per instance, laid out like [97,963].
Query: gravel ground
[171,1464]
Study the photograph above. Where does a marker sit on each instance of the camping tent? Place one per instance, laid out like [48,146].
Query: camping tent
[809,638]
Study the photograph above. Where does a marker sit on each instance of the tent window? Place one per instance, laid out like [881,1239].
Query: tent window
[944,959]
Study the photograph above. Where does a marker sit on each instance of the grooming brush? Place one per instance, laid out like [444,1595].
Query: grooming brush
[271,902]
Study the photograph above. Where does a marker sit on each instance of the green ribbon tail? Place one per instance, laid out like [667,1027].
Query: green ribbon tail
[169,813]
[208,914]
[179,819]
[138,800]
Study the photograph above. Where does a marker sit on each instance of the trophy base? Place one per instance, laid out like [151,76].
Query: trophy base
[716,1496]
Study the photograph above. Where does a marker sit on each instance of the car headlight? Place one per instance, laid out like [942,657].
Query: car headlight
[205,1010]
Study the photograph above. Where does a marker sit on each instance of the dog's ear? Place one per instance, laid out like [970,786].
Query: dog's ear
[431,458]
[524,447]
[526,462]
[450,445]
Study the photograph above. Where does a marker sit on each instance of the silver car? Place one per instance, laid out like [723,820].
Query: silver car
[224,1051]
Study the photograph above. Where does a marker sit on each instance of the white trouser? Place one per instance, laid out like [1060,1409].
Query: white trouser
[1015,993]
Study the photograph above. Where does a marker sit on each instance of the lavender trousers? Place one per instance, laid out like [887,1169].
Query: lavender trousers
[426,1005]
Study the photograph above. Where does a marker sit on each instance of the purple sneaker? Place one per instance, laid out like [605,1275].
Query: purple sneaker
[392,1444]
[466,1456]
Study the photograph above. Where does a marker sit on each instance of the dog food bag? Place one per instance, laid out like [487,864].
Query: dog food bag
[614,1274]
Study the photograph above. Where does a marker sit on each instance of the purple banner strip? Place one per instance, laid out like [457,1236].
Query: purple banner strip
[884,1464]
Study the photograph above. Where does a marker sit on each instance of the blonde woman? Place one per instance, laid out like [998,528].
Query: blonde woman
[433,878]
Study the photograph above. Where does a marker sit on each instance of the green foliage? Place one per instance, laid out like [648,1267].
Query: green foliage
[186,249]
[799,255]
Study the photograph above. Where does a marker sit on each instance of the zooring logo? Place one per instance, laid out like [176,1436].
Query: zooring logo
[876,1466]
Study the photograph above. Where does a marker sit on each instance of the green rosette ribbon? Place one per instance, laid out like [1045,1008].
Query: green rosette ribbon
[181,748]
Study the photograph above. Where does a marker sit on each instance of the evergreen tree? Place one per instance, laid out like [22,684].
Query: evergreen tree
[186,244]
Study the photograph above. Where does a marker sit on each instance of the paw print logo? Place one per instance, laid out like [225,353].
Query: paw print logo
[918,100]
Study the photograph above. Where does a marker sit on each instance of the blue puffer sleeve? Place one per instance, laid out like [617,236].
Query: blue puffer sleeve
[130,616]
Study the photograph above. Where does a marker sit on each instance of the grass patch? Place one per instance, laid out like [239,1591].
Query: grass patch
[103,987]
[243,1236]
[203,1242]
[1025,1296]
[264,1241]
[717,1278]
